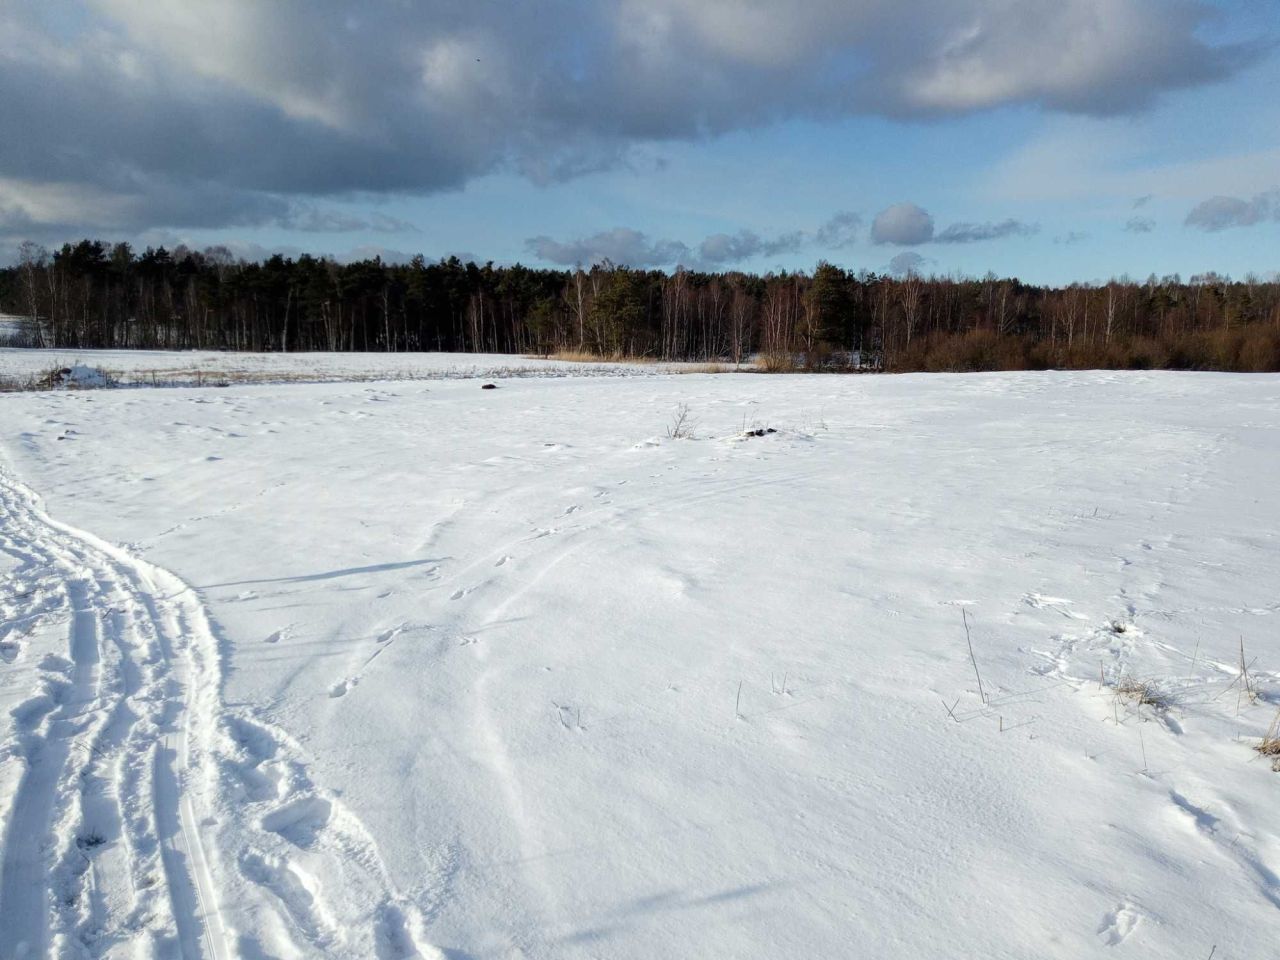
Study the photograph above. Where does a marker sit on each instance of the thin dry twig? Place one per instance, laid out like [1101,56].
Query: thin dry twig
[964,616]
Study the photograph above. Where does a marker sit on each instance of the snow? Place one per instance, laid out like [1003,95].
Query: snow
[200,368]
[411,668]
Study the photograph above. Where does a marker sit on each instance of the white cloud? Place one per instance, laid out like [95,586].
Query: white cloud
[1222,213]
[626,246]
[908,262]
[904,224]
[622,246]
[978,232]
[1079,56]
[276,99]
[840,231]
[723,248]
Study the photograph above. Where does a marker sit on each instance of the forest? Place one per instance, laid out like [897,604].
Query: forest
[93,294]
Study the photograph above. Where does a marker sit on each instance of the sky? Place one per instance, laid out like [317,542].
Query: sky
[1053,140]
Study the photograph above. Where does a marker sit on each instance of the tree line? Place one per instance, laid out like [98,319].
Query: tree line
[97,295]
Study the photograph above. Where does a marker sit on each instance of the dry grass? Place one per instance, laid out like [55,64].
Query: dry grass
[1270,744]
[19,384]
[54,378]
[1143,693]
[709,368]
[197,377]
[583,356]
[677,366]
[777,362]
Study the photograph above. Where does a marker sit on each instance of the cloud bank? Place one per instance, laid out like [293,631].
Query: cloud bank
[909,225]
[137,114]
[624,246]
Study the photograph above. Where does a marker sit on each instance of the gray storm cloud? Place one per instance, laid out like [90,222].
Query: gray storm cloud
[168,113]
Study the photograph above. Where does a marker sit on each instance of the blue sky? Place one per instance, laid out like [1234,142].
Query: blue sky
[1055,141]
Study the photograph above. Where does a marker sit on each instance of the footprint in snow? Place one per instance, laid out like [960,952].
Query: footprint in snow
[388,635]
[1118,924]
[299,821]
[341,688]
[394,937]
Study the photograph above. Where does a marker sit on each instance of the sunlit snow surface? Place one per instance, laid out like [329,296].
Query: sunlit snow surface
[199,368]
[511,673]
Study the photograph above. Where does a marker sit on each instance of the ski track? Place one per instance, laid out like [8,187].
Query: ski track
[145,807]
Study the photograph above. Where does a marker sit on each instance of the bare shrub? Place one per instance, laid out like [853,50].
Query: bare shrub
[682,424]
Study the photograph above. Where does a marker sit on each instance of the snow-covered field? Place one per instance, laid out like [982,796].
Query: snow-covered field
[397,669]
[215,368]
